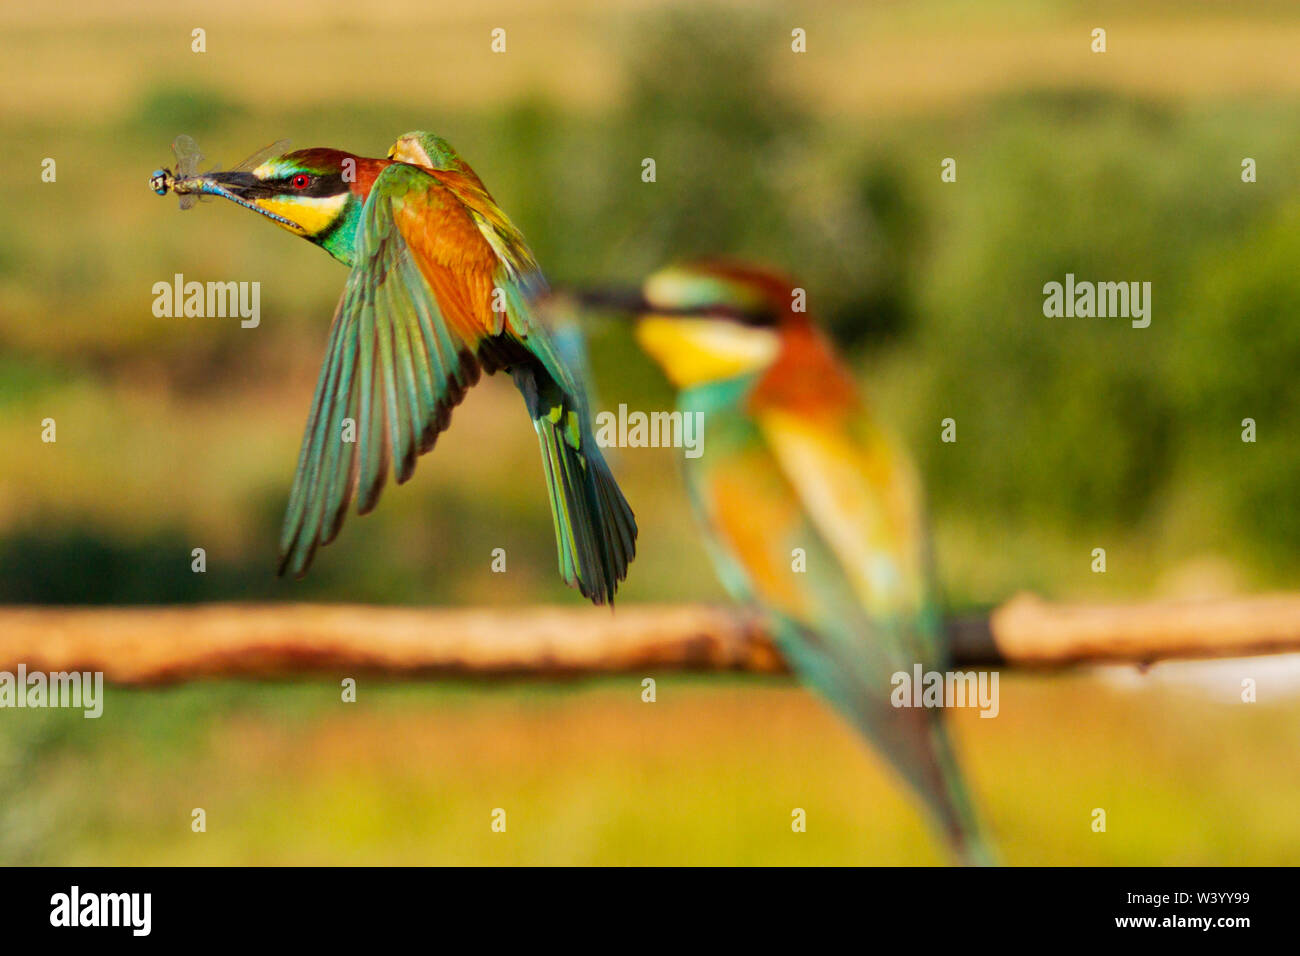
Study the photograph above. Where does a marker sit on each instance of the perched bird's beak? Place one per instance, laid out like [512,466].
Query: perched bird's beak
[632,303]
[625,300]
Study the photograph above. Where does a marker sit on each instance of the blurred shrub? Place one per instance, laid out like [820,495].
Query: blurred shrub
[1238,357]
[168,109]
[1081,423]
[1066,427]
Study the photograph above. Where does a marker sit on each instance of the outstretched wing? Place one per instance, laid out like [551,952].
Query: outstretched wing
[441,291]
[401,355]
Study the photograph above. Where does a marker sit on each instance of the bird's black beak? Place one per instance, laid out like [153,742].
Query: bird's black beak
[242,188]
[626,300]
[242,184]
[631,303]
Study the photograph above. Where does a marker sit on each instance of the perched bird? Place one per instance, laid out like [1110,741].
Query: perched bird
[799,478]
[441,289]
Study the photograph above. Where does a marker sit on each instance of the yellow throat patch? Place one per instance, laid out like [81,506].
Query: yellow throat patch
[693,351]
[310,214]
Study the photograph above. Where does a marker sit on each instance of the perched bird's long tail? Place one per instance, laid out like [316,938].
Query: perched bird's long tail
[595,531]
[912,739]
[918,746]
[954,810]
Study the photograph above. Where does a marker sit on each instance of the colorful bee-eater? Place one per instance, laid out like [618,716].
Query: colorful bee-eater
[441,290]
[811,512]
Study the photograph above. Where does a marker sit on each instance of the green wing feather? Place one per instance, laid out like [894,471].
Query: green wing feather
[396,366]
[393,367]
[595,529]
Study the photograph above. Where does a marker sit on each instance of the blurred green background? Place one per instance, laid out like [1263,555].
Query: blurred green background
[1072,433]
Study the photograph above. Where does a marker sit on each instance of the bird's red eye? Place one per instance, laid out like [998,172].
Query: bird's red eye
[300,181]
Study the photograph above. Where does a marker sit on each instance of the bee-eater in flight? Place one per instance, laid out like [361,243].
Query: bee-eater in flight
[811,512]
[442,289]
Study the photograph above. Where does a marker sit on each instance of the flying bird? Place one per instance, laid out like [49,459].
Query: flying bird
[811,511]
[442,289]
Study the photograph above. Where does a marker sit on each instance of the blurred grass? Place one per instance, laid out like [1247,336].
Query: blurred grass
[874,58]
[589,774]
[183,433]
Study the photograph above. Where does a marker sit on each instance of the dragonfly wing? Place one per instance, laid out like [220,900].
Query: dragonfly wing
[187,156]
[278,148]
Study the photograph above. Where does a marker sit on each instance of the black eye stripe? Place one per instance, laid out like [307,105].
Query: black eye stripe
[317,185]
[330,184]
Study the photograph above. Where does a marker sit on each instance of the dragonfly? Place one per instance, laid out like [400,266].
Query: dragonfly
[190,185]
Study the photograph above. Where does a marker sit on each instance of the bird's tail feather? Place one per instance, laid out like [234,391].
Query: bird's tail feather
[919,748]
[595,530]
[913,739]
[955,810]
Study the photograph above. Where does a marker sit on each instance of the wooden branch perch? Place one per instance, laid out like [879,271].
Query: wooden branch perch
[146,645]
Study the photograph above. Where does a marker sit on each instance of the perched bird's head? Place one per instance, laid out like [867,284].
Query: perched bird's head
[314,193]
[714,320]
